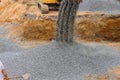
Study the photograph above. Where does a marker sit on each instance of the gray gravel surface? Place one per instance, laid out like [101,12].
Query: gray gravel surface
[107,6]
[58,61]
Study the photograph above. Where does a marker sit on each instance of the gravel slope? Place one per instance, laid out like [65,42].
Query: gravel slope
[57,61]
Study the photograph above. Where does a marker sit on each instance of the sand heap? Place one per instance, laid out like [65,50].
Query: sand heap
[111,30]
[101,28]
[90,29]
[39,30]
[14,11]
[18,1]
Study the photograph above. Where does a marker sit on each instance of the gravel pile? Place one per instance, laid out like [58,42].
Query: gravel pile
[58,61]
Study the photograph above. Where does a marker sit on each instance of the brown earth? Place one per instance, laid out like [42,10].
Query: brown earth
[89,29]
[39,30]
[97,29]
[14,10]
[89,26]
[86,30]
[114,74]
[18,1]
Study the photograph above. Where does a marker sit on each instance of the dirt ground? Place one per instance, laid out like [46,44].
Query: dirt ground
[103,29]
[87,28]
[90,26]
[114,72]
[30,25]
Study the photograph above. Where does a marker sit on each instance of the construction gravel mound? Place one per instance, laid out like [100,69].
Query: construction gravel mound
[59,61]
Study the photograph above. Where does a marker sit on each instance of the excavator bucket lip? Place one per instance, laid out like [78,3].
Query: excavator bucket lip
[48,1]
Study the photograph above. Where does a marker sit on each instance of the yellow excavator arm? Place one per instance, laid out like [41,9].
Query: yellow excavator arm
[49,1]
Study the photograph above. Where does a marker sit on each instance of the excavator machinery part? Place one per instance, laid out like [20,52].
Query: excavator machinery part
[46,5]
[48,1]
[43,8]
[53,7]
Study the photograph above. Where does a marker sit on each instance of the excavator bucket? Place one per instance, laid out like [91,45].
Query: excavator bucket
[46,5]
